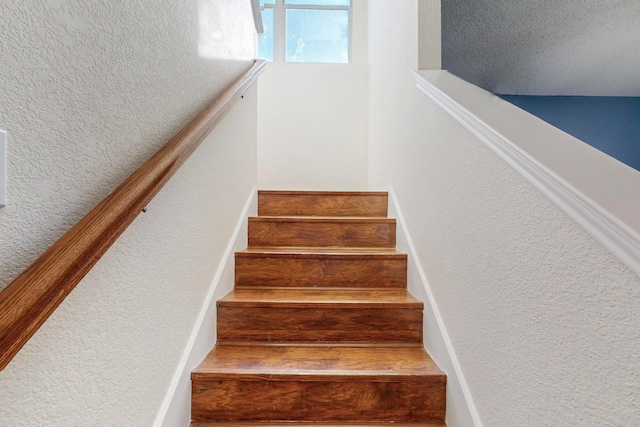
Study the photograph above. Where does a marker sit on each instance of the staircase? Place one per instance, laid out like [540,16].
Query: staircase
[320,329]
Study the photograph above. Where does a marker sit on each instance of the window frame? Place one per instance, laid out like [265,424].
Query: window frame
[280,28]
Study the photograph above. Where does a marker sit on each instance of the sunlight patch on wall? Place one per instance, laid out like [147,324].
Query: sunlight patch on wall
[224,31]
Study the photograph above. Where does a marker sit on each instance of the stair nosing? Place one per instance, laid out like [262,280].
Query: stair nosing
[320,344]
[319,304]
[286,297]
[310,252]
[324,219]
[265,364]
[327,376]
[316,288]
[322,193]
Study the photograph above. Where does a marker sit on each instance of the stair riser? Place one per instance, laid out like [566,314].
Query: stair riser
[276,324]
[375,273]
[417,399]
[322,234]
[273,204]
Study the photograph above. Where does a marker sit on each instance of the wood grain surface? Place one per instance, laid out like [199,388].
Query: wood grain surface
[318,384]
[417,398]
[320,328]
[375,269]
[320,298]
[370,325]
[31,298]
[309,361]
[322,232]
[322,203]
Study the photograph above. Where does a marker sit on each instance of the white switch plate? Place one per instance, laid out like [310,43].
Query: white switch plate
[3,169]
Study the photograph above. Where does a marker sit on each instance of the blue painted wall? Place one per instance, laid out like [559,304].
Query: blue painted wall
[610,124]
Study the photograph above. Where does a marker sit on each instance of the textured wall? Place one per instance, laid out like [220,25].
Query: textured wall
[88,91]
[543,319]
[429,34]
[546,47]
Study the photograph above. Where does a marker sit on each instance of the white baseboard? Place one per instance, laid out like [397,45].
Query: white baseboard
[461,411]
[176,407]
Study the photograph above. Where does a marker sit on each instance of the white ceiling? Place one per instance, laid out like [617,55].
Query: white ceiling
[544,47]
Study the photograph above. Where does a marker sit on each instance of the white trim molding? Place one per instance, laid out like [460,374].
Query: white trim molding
[257,16]
[176,407]
[598,192]
[461,410]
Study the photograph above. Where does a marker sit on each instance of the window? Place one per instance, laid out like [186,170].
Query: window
[306,31]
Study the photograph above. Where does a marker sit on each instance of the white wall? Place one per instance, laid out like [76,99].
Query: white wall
[544,321]
[564,47]
[312,121]
[312,127]
[88,91]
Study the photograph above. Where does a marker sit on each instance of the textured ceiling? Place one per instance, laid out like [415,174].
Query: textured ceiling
[544,47]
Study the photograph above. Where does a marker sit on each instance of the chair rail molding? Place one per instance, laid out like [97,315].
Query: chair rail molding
[598,192]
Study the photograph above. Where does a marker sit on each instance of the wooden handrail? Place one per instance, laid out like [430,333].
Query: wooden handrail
[31,298]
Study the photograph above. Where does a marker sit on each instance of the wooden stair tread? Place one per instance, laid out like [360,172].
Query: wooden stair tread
[322,193]
[323,219]
[320,297]
[320,252]
[321,362]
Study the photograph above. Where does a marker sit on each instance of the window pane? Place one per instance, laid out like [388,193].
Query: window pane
[320,2]
[265,41]
[263,2]
[317,35]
